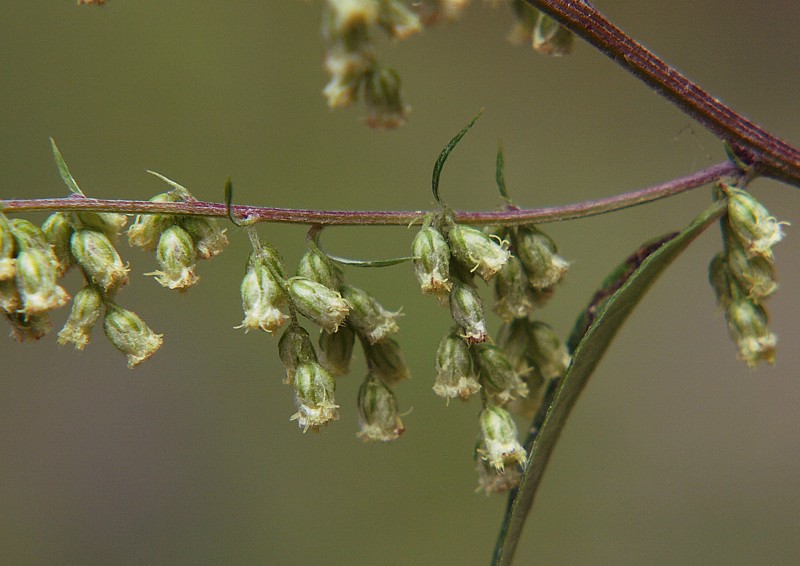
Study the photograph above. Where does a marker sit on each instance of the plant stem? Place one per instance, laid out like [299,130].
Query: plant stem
[767,154]
[382,217]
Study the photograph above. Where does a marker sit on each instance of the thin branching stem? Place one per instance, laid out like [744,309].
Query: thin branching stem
[381,217]
[767,154]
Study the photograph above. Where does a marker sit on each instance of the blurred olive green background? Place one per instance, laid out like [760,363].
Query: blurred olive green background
[676,452]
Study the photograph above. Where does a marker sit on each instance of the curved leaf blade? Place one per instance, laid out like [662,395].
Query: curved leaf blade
[590,349]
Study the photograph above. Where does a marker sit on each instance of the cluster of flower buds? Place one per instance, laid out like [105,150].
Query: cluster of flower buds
[434,11]
[343,312]
[351,60]
[743,274]
[539,30]
[177,240]
[523,267]
[33,258]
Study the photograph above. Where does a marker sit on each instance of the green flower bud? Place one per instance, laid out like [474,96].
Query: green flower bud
[497,374]
[295,348]
[7,246]
[748,326]
[318,267]
[337,350]
[455,374]
[36,277]
[146,230]
[347,15]
[477,251]
[109,223]
[367,316]
[551,38]
[10,301]
[539,257]
[84,315]
[384,100]
[722,282]
[466,309]
[547,351]
[378,415]
[28,235]
[386,361]
[432,262]
[101,263]
[752,223]
[209,239]
[347,68]
[515,339]
[398,20]
[28,327]
[321,305]
[262,298]
[755,274]
[58,231]
[499,444]
[270,257]
[176,256]
[314,388]
[130,335]
[512,292]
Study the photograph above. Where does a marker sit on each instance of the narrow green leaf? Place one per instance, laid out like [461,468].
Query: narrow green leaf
[63,170]
[590,348]
[499,174]
[369,262]
[180,189]
[437,167]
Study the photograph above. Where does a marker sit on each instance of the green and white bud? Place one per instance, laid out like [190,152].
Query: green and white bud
[383,99]
[10,301]
[146,230]
[176,257]
[386,361]
[466,309]
[378,415]
[539,257]
[318,267]
[209,239]
[755,274]
[321,305]
[398,20]
[86,307]
[748,326]
[262,298]
[551,38]
[28,235]
[109,223]
[130,335]
[479,252]
[314,394]
[101,263]
[367,316]
[28,328]
[295,348]
[455,372]
[499,444]
[347,15]
[513,297]
[547,351]
[337,350]
[432,262]
[751,222]
[722,282]
[36,275]
[501,382]
[58,231]
[7,250]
